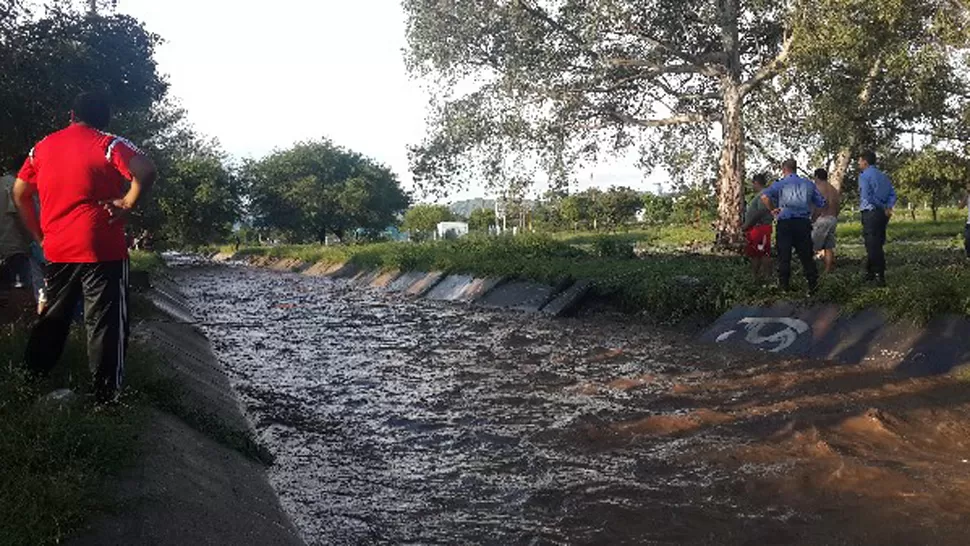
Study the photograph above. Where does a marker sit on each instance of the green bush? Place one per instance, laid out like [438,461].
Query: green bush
[609,247]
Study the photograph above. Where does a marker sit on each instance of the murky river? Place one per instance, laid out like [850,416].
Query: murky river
[397,421]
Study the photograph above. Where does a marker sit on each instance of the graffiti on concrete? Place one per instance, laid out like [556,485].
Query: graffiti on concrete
[763,332]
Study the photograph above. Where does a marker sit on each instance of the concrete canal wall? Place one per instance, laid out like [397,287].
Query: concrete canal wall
[188,487]
[822,331]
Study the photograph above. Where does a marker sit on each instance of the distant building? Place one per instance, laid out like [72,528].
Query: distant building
[451,230]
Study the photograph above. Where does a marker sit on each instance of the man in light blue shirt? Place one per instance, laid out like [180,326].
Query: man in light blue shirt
[791,200]
[877,197]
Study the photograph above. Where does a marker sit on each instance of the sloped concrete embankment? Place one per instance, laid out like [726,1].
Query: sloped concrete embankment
[188,486]
[825,332]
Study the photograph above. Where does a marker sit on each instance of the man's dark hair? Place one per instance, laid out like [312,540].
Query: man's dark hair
[821,174]
[92,109]
[760,178]
[790,165]
[869,156]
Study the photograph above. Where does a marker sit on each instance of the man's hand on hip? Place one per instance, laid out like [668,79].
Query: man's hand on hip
[119,209]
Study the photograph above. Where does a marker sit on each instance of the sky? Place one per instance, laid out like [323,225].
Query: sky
[262,75]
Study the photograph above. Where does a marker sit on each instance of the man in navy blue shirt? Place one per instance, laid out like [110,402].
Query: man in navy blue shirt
[791,200]
[876,201]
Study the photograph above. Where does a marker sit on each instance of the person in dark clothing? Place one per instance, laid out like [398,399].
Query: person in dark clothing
[87,181]
[15,270]
[791,200]
[877,197]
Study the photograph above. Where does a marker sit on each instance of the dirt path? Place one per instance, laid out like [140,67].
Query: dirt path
[405,421]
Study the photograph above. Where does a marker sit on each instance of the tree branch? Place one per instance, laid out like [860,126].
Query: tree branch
[771,69]
[535,11]
[655,68]
[680,119]
[708,65]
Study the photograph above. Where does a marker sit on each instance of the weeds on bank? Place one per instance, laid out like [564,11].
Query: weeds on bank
[928,273]
[53,459]
[146,261]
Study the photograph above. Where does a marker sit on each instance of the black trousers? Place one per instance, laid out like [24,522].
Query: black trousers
[11,267]
[795,233]
[104,287]
[966,239]
[874,223]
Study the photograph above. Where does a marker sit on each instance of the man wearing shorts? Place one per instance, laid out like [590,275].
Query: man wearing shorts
[757,231]
[826,219]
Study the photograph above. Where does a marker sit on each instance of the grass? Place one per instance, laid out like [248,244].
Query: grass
[54,460]
[149,262]
[677,276]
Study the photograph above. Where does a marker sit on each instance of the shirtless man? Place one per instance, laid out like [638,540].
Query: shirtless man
[825,219]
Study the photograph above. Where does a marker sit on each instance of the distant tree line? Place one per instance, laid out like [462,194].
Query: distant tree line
[50,52]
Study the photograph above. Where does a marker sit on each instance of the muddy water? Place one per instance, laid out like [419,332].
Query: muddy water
[397,421]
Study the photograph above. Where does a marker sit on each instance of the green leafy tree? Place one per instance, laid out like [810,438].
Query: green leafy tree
[620,206]
[863,73]
[563,81]
[316,188]
[423,219]
[481,220]
[46,59]
[934,176]
[657,209]
[575,210]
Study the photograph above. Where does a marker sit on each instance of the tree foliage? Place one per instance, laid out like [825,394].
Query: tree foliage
[316,188]
[47,58]
[481,220]
[557,82]
[864,73]
[934,176]
[657,209]
[423,219]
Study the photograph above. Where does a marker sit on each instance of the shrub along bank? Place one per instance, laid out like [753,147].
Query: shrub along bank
[927,277]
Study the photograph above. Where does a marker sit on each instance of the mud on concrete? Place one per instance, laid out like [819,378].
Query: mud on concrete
[396,420]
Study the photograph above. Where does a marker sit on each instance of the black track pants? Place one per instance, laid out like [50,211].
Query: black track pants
[104,287]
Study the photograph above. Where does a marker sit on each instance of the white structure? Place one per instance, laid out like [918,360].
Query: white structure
[451,230]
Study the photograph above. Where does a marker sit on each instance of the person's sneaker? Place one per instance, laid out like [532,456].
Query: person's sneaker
[61,398]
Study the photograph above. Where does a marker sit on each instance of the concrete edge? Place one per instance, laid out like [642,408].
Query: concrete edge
[187,488]
[824,331]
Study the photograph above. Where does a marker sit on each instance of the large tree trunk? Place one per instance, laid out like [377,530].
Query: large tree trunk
[730,180]
[837,176]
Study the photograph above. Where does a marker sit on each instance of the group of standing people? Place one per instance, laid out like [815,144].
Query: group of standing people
[804,215]
[71,198]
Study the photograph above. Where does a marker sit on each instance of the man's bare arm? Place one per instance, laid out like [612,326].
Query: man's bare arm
[23,195]
[143,176]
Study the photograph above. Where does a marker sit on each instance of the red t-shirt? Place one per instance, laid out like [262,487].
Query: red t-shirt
[74,170]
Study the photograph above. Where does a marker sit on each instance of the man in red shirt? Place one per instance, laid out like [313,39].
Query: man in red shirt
[87,181]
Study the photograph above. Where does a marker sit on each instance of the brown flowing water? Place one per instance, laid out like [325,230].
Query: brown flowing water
[402,421]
